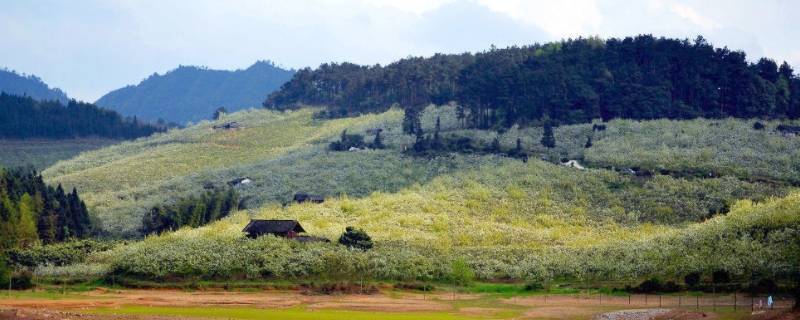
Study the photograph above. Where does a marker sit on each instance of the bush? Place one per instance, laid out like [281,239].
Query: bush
[671,286]
[764,286]
[692,280]
[721,277]
[21,280]
[419,286]
[460,273]
[758,126]
[533,286]
[648,286]
[355,238]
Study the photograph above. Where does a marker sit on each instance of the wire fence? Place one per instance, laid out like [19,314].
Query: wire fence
[713,301]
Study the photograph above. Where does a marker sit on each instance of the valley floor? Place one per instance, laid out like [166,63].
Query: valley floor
[388,304]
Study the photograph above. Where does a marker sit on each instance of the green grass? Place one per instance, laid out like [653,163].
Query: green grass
[41,153]
[298,313]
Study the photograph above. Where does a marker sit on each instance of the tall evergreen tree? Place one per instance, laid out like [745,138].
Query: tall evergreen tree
[548,140]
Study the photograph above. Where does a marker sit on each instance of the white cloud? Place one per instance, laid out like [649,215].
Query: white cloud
[561,19]
[687,12]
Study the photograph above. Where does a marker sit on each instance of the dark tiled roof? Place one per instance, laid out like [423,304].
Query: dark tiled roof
[259,227]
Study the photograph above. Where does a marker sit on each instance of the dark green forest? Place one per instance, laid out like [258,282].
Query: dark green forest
[191,211]
[29,85]
[571,81]
[32,212]
[193,93]
[23,118]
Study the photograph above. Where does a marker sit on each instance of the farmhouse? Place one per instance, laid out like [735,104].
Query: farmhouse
[281,228]
[788,131]
[290,229]
[305,197]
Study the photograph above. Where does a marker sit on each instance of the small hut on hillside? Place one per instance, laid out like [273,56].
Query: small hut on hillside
[290,229]
[305,197]
[280,228]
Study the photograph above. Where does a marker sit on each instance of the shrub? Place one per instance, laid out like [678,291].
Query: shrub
[461,273]
[419,286]
[355,238]
[720,277]
[22,280]
[648,286]
[758,126]
[533,286]
[671,286]
[764,286]
[692,280]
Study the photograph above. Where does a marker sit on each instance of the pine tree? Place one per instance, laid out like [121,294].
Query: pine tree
[588,142]
[377,143]
[437,139]
[495,146]
[26,225]
[548,140]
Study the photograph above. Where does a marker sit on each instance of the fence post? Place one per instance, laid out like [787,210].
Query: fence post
[734,301]
[713,302]
[645,299]
[659,301]
[629,298]
[697,299]
[679,301]
[601,298]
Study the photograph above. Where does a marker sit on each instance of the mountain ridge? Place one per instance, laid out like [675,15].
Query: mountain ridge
[30,85]
[191,93]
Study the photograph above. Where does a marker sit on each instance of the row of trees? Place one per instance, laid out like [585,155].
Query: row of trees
[571,81]
[347,141]
[32,212]
[191,211]
[23,117]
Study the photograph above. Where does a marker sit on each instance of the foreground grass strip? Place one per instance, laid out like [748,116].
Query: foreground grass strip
[290,313]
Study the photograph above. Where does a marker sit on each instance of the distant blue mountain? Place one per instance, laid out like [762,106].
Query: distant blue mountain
[191,93]
[29,85]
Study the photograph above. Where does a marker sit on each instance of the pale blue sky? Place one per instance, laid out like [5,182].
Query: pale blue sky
[89,47]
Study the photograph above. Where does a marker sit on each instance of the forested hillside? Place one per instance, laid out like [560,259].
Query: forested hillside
[29,85]
[32,212]
[25,118]
[571,81]
[193,93]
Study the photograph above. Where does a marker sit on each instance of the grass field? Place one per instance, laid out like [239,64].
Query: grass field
[388,304]
[44,153]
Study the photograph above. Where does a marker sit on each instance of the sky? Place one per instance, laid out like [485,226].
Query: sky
[90,47]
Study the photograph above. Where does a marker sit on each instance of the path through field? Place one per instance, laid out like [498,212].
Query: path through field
[174,304]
